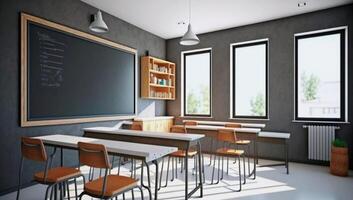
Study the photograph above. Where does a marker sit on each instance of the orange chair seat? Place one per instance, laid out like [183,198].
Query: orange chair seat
[243,142]
[57,174]
[182,153]
[229,152]
[115,184]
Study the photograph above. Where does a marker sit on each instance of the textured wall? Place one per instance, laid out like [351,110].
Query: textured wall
[72,13]
[281,72]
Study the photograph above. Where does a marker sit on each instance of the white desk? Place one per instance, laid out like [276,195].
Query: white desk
[276,138]
[128,149]
[144,152]
[149,134]
[182,141]
[218,123]
[216,128]
[268,134]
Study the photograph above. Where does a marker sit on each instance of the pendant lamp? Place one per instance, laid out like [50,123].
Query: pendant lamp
[98,25]
[189,38]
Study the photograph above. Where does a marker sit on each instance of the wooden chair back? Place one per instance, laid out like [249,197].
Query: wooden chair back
[93,155]
[136,127]
[226,135]
[33,149]
[232,125]
[177,129]
[190,123]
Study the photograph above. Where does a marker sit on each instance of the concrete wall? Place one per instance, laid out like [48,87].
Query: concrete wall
[281,73]
[75,14]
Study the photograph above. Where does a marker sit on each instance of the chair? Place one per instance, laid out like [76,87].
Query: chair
[109,186]
[190,123]
[136,127]
[243,143]
[181,154]
[33,149]
[227,137]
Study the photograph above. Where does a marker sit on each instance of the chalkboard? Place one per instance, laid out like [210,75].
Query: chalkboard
[70,76]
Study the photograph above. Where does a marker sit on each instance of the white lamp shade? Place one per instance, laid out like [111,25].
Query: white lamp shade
[98,25]
[189,38]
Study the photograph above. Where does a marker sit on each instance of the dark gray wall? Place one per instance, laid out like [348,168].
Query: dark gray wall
[72,13]
[281,76]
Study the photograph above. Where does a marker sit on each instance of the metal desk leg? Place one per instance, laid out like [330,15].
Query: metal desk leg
[286,156]
[160,178]
[155,162]
[143,185]
[211,151]
[186,172]
[200,169]
[255,160]
[61,157]
[62,188]
[256,157]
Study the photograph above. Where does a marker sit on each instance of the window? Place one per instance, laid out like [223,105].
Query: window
[249,79]
[320,76]
[197,83]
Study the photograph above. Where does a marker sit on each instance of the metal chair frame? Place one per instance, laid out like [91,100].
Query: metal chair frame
[53,186]
[107,170]
[219,156]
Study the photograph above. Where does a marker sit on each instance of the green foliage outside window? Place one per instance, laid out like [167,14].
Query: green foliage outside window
[198,103]
[310,85]
[258,105]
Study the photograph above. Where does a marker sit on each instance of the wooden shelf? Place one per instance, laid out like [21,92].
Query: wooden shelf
[158,72]
[154,71]
[162,86]
[158,98]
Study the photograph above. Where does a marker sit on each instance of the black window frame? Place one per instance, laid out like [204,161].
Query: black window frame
[343,94]
[184,82]
[255,43]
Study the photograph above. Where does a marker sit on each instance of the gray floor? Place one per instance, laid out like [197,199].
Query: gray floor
[307,182]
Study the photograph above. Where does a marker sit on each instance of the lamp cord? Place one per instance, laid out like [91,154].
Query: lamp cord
[189,11]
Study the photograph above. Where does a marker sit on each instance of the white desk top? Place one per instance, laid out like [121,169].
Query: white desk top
[149,152]
[218,123]
[215,128]
[274,134]
[163,135]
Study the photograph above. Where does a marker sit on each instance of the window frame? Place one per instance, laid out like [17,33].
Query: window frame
[183,81]
[343,31]
[232,79]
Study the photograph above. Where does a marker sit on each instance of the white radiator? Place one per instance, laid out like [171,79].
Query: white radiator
[319,141]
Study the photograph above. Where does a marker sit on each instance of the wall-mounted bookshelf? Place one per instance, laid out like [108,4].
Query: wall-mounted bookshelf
[157,78]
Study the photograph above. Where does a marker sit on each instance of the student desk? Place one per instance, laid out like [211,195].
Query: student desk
[145,153]
[218,123]
[242,133]
[181,141]
[254,134]
[276,138]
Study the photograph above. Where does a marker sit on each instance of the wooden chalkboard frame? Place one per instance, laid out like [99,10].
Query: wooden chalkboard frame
[25,122]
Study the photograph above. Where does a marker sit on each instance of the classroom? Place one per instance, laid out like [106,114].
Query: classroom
[176,99]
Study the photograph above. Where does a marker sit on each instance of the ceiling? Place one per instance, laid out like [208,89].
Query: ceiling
[161,17]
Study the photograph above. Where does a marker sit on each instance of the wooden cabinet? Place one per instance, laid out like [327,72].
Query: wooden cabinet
[157,78]
[158,124]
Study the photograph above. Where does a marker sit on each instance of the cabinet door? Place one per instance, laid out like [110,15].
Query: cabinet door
[149,125]
[161,125]
[166,124]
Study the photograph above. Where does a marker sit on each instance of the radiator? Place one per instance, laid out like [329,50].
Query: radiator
[319,141]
